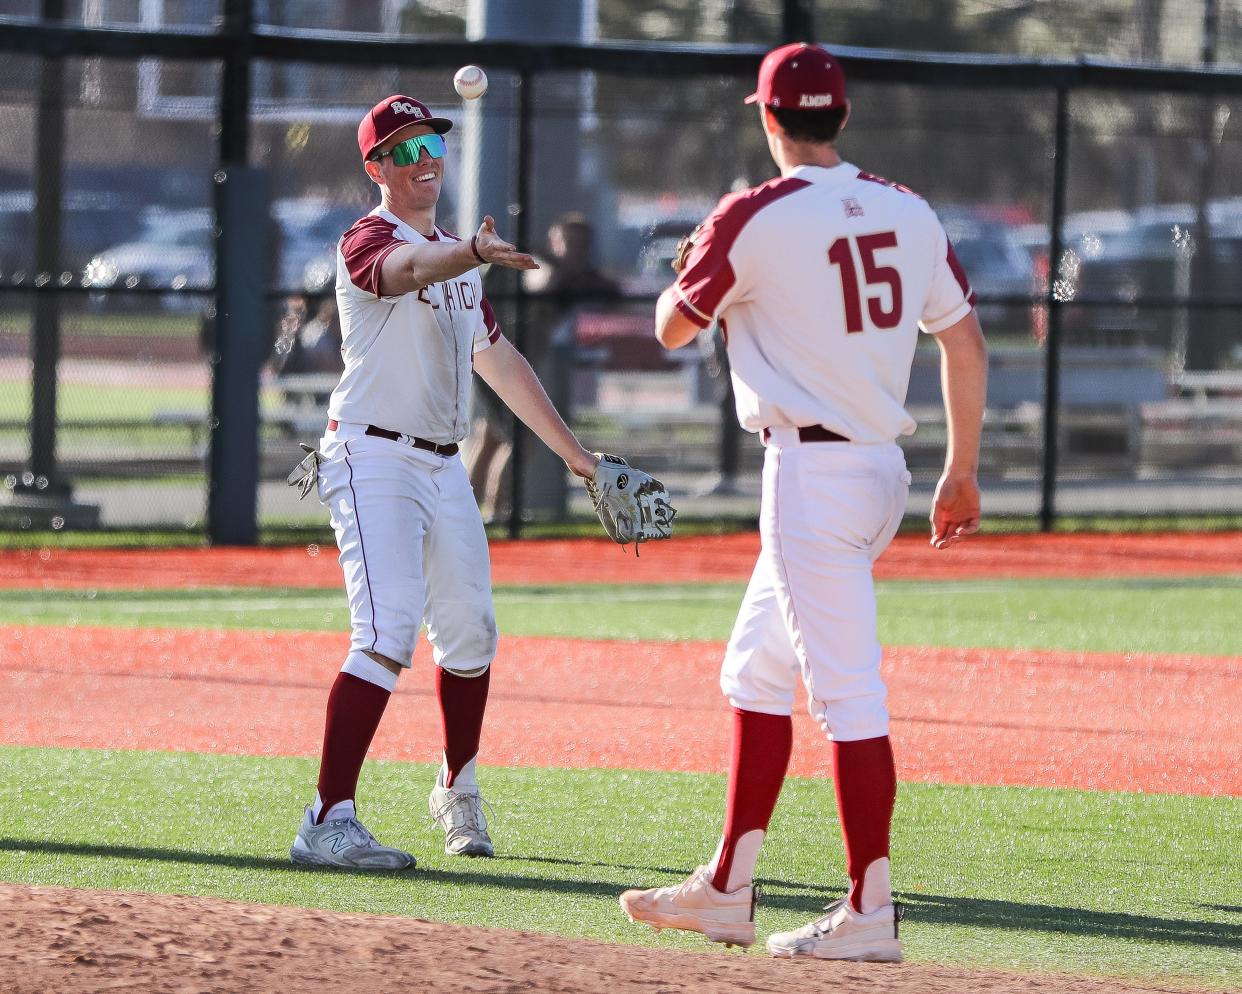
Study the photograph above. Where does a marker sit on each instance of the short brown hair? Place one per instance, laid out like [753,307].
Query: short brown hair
[820,126]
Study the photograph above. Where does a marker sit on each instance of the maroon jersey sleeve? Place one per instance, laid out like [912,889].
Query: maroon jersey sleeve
[950,297]
[364,248]
[710,280]
[489,333]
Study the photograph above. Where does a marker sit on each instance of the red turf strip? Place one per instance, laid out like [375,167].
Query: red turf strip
[974,716]
[688,560]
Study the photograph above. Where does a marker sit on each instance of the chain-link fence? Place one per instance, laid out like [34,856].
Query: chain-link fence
[1188,32]
[1096,207]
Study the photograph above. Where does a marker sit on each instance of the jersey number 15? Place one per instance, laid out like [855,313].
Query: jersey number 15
[841,256]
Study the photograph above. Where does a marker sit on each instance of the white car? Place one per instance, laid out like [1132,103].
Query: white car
[175,251]
[308,229]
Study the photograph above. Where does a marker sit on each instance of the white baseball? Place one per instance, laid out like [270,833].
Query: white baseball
[470,82]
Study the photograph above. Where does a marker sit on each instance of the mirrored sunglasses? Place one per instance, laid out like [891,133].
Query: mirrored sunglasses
[407,153]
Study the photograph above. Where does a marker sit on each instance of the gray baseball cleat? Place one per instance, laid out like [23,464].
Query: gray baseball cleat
[345,842]
[460,814]
[844,933]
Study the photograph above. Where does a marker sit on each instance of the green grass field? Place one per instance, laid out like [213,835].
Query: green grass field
[1024,879]
[1027,879]
[1088,615]
[79,322]
[139,401]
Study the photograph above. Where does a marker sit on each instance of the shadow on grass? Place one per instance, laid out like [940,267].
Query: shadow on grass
[940,910]
[921,908]
[282,864]
[776,901]
[556,861]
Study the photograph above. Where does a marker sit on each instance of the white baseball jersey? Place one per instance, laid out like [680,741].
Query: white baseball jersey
[408,358]
[820,281]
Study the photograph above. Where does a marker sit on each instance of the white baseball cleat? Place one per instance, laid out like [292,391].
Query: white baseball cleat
[844,933]
[344,842]
[460,814]
[696,906]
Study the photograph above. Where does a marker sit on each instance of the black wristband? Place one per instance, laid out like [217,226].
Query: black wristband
[474,247]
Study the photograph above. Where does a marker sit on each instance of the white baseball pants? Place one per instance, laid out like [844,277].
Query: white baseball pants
[829,510]
[413,549]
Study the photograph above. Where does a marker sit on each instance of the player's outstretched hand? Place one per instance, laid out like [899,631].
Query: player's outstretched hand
[955,510]
[496,250]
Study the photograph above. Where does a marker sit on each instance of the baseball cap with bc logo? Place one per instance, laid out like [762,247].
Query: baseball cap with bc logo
[392,114]
[800,77]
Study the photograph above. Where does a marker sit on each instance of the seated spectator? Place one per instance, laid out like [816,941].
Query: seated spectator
[309,344]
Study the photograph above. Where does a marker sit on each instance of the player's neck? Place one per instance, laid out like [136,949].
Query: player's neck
[421,219]
[790,155]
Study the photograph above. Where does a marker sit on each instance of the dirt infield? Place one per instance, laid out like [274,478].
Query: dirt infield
[75,942]
[974,716]
[689,560]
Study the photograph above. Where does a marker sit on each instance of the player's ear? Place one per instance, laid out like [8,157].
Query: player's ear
[845,120]
[373,171]
[768,120]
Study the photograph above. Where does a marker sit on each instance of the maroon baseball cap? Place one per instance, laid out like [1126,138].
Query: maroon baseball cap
[392,114]
[800,77]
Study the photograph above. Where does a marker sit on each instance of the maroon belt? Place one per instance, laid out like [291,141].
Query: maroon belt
[813,433]
[396,436]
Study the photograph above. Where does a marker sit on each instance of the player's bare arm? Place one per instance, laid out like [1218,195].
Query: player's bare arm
[673,328]
[506,371]
[964,384]
[412,267]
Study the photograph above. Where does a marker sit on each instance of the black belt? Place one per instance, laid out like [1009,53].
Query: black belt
[395,436]
[813,433]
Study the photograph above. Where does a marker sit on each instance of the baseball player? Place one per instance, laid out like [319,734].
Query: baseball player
[415,323]
[820,280]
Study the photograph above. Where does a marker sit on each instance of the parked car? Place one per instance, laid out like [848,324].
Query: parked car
[90,222]
[175,251]
[1035,239]
[1085,232]
[308,230]
[16,235]
[1158,257]
[997,265]
[652,272]
[175,248]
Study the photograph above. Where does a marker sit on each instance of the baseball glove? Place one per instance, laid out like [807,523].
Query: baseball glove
[683,250]
[632,506]
[305,474]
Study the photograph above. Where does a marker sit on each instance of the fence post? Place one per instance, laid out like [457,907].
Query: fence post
[40,496]
[1209,333]
[525,150]
[49,200]
[241,315]
[235,84]
[241,276]
[1052,362]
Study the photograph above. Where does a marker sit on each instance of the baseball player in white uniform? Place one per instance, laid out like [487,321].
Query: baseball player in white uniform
[415,324]
[820,280]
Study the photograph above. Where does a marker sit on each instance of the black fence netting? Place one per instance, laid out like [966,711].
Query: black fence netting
[1185,33]
[1095,206]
